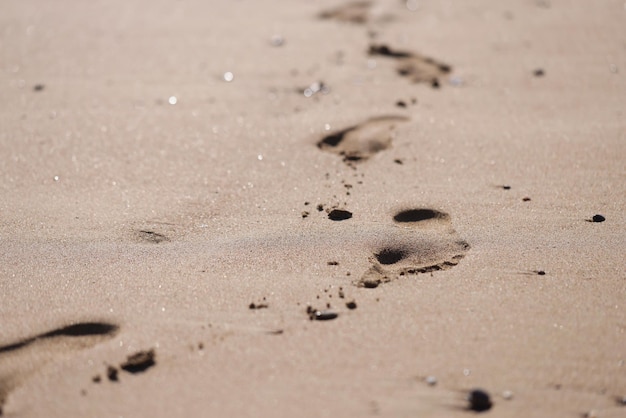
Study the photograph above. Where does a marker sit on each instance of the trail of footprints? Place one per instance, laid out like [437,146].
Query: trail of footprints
[421,239]
[415,67]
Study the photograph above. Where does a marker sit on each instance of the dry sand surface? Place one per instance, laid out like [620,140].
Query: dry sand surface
[312,208]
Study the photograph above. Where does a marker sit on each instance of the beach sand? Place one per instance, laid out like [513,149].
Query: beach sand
[312,208]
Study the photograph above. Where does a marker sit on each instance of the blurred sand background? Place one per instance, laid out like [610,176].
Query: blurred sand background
[145,194]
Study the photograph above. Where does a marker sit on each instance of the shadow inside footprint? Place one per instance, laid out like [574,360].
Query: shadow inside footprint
[82,329]
[411,251]
[415,67]
[419,215]
[390,255]
[22,358]
[150,237]
[360,142]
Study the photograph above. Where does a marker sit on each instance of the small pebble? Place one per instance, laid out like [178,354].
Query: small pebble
[479,400]
[351,305]
[431,380]
[112,374]
[598,218]
[506,187]
[507,394]
[38,87]
[258,306]
[339,215]
[139,362]
[277,40]
[539,72]
[324,315]
[541,273]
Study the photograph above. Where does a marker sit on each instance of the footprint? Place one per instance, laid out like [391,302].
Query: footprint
[156,231]
[425,243]
[360,142]
[150,237]
[20,359]
[353,12]
[415,67]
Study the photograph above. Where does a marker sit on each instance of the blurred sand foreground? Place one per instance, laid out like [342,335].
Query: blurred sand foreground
[312,208]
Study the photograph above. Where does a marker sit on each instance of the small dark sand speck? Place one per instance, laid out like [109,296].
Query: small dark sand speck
[38,87]
[597,218]
[351,305]
[479,401]
[539,72]
[112,374]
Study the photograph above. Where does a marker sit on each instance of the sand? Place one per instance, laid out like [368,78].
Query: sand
[312,208]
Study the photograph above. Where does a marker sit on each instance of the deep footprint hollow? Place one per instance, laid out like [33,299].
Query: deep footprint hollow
[82,329]
[418,215]
[390,256]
